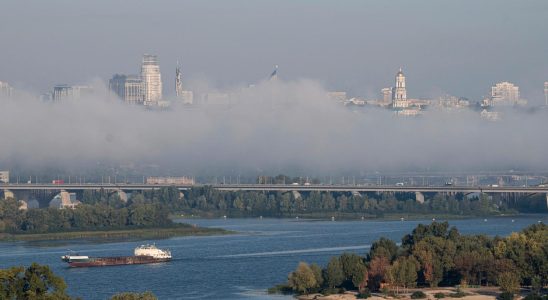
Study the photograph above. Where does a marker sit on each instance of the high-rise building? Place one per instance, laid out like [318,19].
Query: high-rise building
[386,95]
[128,87]
[504,93]
[152,81]
[546,92]
[70,92]
[399,94]
[5,90]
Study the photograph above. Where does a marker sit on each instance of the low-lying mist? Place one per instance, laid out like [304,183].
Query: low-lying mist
[273,127]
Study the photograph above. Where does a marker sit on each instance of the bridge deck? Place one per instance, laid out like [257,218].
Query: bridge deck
[282,187]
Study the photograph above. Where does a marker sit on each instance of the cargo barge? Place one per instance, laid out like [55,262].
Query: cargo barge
[144,254]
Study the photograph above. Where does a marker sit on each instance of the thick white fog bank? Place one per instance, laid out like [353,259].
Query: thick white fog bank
[272,127]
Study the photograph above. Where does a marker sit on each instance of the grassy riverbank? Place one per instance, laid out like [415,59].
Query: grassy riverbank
[138,233]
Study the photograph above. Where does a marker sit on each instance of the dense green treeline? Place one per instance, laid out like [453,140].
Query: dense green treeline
[290,204]
[102,210]
[98,211]
[434,255]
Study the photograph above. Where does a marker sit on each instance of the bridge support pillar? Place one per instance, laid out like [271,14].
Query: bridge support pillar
[122,195]
[8,194]
[546,200]
[419,197]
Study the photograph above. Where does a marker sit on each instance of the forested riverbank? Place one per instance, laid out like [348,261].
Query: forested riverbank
[100,216]
[431,256]
[101,211]
[209,202]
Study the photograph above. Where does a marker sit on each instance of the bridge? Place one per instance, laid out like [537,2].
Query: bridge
[280,187]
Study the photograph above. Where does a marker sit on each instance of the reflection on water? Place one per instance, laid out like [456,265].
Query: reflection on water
[230,266]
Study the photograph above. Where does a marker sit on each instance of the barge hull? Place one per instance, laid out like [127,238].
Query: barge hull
[116,261]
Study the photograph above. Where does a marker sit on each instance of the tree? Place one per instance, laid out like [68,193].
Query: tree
[134,296]
[403,272]
[333,273]
[317,274]
[355,272]
[508,282]
[378,268]
[35,282]
[384,247]
[302,279]
[10,282]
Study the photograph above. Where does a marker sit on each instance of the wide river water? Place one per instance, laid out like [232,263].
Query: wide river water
[240,266]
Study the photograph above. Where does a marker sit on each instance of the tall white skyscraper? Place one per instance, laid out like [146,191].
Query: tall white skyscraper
[399,95]
[152,81]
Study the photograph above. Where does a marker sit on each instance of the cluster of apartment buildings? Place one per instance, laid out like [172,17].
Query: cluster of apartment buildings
[503,94]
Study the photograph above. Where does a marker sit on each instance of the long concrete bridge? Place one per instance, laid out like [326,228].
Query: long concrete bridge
[280,187]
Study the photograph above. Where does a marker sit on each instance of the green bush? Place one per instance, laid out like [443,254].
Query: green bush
[506,296]
[418,295]
[533,296]
[439,295]
[458,294]
[330,291]
[364,294]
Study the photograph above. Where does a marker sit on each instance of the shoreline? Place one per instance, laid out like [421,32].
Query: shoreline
[352,217]
[479,293]
[138,233]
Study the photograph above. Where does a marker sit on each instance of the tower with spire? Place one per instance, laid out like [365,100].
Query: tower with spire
[399,93]
[178,81]
[274,75]
[185,97]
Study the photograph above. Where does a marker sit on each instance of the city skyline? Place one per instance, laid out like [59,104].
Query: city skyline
[452,57]
[136,89]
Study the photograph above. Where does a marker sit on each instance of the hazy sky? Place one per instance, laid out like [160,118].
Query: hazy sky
[457,47]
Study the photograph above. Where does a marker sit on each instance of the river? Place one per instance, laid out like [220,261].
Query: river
[240,266]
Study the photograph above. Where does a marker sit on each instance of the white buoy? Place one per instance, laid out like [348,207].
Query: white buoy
[297,217]
[401,219]
[513,220]
[363,217]
[224,217]
[332,218]
[484,220]
[261,217]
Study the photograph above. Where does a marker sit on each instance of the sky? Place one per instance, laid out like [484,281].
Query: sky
[457,47]
[287,126]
